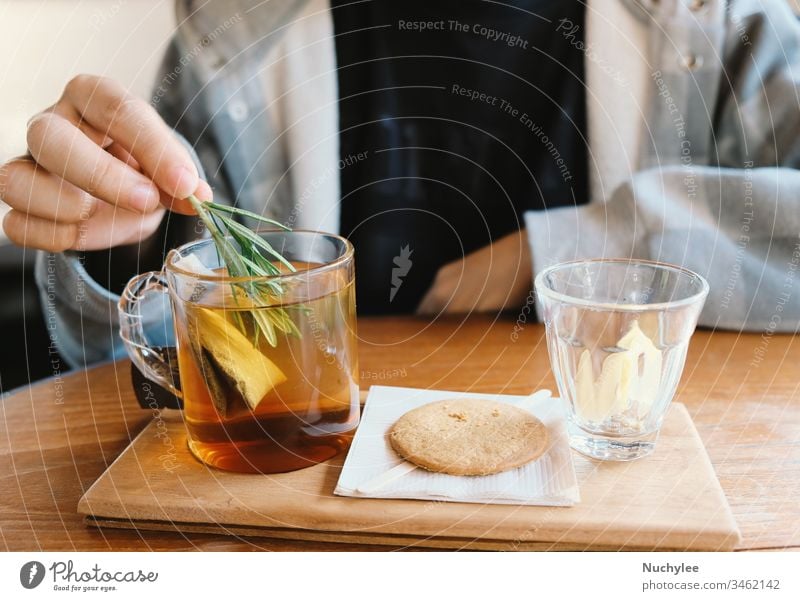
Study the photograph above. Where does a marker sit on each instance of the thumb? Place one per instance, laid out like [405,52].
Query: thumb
[182,205]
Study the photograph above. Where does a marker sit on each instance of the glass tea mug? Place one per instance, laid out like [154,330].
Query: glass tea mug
[269,382]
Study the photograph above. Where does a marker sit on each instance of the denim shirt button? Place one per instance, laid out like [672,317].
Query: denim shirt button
[698,5]
[691,62]
[237,110]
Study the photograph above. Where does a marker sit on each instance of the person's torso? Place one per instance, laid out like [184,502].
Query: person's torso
[455,118]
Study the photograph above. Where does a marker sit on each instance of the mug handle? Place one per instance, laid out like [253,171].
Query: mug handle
[151,361]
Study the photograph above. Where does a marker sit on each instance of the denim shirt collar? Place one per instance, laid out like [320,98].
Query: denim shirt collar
[232,35]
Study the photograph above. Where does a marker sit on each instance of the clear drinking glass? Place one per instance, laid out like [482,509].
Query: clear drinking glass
[617,334]
[269,383]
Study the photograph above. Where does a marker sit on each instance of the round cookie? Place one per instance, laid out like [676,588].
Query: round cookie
[468,437]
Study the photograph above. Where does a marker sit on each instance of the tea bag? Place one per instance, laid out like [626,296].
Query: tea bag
[233,355]
[217,387]
[192,289]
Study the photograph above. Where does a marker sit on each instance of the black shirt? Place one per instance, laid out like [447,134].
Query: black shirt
[456,117]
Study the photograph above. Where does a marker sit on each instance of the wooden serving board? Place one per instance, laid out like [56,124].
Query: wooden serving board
[670,500]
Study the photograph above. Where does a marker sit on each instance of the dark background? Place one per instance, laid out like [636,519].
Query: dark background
[23,334]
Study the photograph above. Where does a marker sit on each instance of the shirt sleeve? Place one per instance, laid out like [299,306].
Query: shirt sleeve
[740,230]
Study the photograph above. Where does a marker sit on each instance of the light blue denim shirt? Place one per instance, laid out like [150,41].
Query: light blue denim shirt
[730,70]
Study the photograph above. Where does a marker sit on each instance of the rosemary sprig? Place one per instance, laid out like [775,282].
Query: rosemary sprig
[249,260]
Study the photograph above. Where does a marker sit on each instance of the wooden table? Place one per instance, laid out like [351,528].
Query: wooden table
[58,436]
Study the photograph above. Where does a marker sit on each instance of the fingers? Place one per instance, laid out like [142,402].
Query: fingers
[34,232]
[134,124]
[70,113]
[181,205]
[117,151]
[492,278]
[28,188]
[61,148]
[109,226]
[443,295]
[429,305]
[176,205]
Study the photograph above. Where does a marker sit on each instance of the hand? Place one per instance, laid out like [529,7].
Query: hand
[102,169]
[492,278]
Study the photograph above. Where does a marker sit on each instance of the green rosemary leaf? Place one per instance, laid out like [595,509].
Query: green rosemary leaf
[278,317]
[256,269]
[237,317]
[266,288]
[246,213]
[270,289]
[266,264]
[253,238]
[265,325]
[287,324]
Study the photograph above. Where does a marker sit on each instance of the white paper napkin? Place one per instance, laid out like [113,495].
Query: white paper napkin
[550,480]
